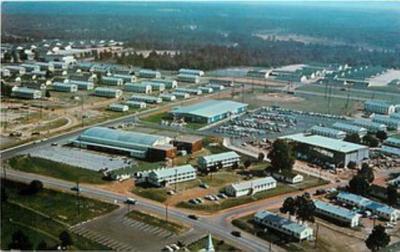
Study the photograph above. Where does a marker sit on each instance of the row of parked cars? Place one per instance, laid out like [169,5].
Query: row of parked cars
[210,197]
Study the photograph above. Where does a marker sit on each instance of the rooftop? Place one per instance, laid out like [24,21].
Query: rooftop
[220,156]
[325,142]
[252,183]
[210,108]
[280,221]
[341,211]
[165,172]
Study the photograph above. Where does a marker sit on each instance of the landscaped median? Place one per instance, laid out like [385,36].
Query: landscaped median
[156,221]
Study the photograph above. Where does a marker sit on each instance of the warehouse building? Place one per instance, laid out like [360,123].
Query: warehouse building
[112,81]
[65,87]
[188,78]
[371,126]
[169,84]
[168,97]
[337,213]
[82,85]
[155,86]
[167,176]
[288,177]
[134,144]
[134,104]
[225,83]
[126,78]
[108,92]
[350,129]
[379,107]
[273,221]
[26,93]
[381,210]
[209,111]
[146,99]
[327,132]
[391,123]
[146,73]
[181,95]
[392,146]
[250,187]
[190,144]
[206,90]
[227,159]
[327,149]
[262,74]
[138,88]
[191,72]
[117,107]
[190,91]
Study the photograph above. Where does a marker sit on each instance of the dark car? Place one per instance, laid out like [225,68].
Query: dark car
[193,217]
[236,233]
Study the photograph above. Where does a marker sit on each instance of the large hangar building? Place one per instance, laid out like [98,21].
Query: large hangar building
[139,145]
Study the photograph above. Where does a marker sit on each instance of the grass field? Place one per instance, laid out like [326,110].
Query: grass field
[157,194]
[55,169]
[45,215]
[52,125]
[156,221]
[219,245]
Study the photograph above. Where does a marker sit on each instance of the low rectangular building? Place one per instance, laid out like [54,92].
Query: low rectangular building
[188,143]
[118,107]
[337,213]
[166,176]
[391,123]
[395,115]
[168,97]
[45,66]
[250,187]
[381,210]
[108,92]
[350,128]
[138,88]
[181,95]
[191,91]
[206,90]
[15,69]
[65,87]
[146,99]
[146,73]
[125,77]
[216,87]
[188,78]
[327,132]
[156,86]
[112,81]
[26,93]
[210,111]
[169,84]
[82,85]
[135,104]
[262,74]
[270,220]
[31,67]
[379,107]
[335,151]
[292,178]
[372,127]
[225,83]
[391,146]
[227,159]
[191,71]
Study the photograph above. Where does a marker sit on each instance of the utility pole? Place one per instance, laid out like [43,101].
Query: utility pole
[242,92]
[82,115]
[78,199]
[316,235]
[176,179]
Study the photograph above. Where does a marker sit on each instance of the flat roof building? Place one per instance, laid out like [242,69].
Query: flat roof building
[327,132]
[146,73]
[350,128]
[227,159]
[288,177]
[65,87]
[390,122]
[188,143]
[379,107]
[146,99]
[188,78]
[270,220]
[250,187]
[134,144]
[117,107]
[26,93]
[210,111]
[331,150]
[167,176]
[191,71]
[382,210]
[337,213]
[108,92]
[112,81]
[143,88]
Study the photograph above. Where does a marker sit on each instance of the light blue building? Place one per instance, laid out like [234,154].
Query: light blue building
[210,111]
[338,213]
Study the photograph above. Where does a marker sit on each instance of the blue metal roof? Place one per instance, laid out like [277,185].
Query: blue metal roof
[340,211]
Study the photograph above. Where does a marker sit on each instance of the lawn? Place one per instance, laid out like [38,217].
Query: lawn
[219,245]
[58,170]
[43,216]
[156,194]
[57,123]
[156,221]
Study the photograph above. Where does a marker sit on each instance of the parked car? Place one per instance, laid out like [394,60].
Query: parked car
[236,233]
[130,201]
[204,185]
[193,217]
[76,189]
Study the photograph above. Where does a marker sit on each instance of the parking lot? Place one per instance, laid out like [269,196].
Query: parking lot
[82,158]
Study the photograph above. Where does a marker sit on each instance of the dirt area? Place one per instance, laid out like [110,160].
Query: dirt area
[279,97]
[124,187]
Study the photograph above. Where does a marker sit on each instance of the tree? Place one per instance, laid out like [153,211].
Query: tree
[48,95]
[358,185]
[305,208]
[378,238]
[381,135]
[282,156]
[289,206]
[261,157]
[353,138]
[391,192]
[20,241]
[247,163]
[235,166]
[65,238]
[352,165]
[367,172]
[34,187]
[42,246]
[371,141]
